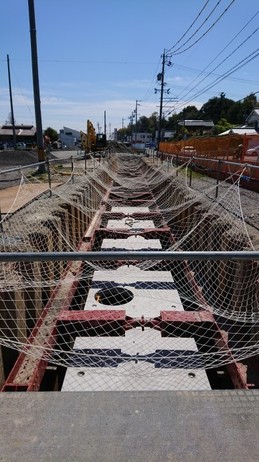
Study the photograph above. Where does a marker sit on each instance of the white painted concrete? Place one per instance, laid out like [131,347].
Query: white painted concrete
[130,210]
[135,374]
[132,243]
[128,223]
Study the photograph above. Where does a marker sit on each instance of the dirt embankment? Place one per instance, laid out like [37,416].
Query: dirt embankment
[9,159]
[14,159]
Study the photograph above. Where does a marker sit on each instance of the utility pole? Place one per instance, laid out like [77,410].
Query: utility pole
[161,79]
[136,114]
[131,118]
[104,122]
[11,102]
[36,87]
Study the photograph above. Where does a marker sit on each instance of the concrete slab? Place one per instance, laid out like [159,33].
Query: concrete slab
[153,291]
[137,342]
[134,377]
[131,273]
[130,210]
[133,362]
[204,426]
[134,224]
[146,302]
[131,243]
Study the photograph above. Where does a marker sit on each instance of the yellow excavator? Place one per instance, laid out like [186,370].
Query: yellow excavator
[92,141]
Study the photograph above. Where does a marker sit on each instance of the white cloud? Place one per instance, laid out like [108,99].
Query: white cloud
[59,110]
[144,83]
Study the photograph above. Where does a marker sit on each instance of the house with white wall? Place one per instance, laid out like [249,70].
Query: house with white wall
[253,118]
[69,137]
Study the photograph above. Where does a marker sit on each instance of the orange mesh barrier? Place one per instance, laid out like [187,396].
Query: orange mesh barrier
[225,147]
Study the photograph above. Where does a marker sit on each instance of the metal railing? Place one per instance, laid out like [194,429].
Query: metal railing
[129,256]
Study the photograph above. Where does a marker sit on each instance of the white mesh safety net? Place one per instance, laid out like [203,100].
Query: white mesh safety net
[128,325]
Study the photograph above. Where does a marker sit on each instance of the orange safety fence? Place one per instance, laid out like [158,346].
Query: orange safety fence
[225,147]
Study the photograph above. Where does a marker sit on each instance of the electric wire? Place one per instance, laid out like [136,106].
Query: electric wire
[191,69]
[197,30]
[214,59]
[224,60]
[189,28]
[146,95]
[179,51]
[236,67]
[21,92]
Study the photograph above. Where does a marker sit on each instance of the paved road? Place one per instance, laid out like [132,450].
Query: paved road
[65,154]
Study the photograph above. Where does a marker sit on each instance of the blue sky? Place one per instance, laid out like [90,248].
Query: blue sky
[97,56]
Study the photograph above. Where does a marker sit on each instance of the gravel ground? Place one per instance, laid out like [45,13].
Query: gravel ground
[248,199]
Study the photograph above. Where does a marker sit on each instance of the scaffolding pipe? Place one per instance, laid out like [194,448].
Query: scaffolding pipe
[127,255]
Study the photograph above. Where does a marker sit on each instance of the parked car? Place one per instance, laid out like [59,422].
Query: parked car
[57,145]
[189,150]
[20,145]
[253,151]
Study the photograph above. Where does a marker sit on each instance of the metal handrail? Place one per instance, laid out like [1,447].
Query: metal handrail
[228,162]
[128,255]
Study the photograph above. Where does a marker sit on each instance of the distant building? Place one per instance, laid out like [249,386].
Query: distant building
[24,133]
[197,127]
[69,137]
[253,119]
[165,135]
[239,131]
[140,137]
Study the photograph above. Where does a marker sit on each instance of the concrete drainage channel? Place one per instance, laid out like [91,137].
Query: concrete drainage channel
[137,360]
[129,324]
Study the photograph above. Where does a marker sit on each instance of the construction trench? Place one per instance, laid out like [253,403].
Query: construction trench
[128,325]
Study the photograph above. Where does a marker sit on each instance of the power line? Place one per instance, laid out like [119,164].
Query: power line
[224,60]
[197,30]
[179,51]
[214,59]
[236,67]
[148,91]
[189,28]
[238,79]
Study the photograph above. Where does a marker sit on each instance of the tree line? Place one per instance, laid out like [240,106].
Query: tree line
[224,112]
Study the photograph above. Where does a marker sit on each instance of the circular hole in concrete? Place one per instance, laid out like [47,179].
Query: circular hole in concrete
[81,373]
[114,296]
[191,375]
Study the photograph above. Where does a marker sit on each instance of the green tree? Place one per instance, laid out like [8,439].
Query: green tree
[216,108]
[144,125]
[248,104]
[51,133]
[122,134]
[153,124]
[235,114]
[189,113]
[221,126]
